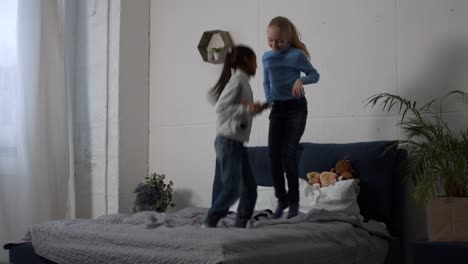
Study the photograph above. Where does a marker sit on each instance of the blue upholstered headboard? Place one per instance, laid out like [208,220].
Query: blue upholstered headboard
[381,195]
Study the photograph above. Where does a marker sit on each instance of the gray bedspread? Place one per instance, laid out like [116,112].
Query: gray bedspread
[148,237]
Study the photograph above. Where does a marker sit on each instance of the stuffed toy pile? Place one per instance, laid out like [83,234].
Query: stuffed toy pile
[343,170]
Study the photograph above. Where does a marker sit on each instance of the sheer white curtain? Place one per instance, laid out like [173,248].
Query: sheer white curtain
[36,166]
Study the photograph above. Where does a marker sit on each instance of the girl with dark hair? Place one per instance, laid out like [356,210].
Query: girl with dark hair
[235,109]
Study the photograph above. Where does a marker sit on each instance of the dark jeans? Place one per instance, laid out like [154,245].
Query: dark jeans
[287,124]
[237,181]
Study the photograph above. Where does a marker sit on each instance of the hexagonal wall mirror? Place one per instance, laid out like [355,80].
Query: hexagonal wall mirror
[214,45]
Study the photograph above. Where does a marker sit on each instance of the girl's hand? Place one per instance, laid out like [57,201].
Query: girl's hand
[256,108]
[253,108]
[298,89]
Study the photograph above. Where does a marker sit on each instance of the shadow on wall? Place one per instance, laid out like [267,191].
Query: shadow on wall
[445,70]
[182,198]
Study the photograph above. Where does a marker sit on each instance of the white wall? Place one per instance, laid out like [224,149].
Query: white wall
[133,99]
[352,45]
[414,48]
[360,48]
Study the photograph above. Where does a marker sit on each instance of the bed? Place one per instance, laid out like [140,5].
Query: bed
[315,237]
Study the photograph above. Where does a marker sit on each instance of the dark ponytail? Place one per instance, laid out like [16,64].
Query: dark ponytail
[235,58]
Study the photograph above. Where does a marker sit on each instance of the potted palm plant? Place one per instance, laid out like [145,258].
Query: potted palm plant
[437,162]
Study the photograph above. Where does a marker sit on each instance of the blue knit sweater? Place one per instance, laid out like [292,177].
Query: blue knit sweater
[282,68]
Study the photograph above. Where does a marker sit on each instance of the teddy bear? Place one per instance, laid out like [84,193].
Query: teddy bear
[328,178]
[344,170]
[313,178]
[323,179]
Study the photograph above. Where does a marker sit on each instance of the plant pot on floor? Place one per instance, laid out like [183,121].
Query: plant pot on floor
[448,219]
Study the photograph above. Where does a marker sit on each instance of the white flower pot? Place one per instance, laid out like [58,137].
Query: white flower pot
[216,56]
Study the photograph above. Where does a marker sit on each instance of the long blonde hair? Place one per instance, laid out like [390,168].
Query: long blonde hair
[294,37]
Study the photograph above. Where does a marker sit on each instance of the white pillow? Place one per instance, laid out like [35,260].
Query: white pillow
[339,198]
[266,199]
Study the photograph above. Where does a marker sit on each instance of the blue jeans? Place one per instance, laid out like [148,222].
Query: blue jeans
[237,181]
[287,124]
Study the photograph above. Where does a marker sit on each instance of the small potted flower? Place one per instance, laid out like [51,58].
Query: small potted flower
[153,195]
[216,52]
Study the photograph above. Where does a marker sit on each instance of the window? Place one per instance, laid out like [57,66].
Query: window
[8,84]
